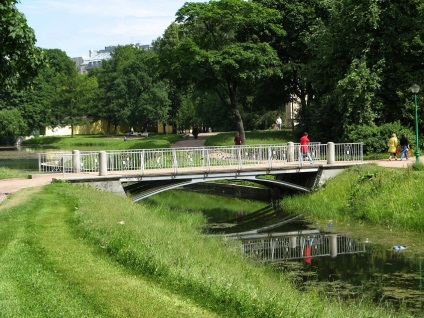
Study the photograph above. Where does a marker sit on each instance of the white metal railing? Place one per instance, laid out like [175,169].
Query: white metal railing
[349,152]
[175,159]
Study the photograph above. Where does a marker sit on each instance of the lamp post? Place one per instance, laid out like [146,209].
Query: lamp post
[415,89]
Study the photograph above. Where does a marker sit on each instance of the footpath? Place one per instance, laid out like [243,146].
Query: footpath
[9,186]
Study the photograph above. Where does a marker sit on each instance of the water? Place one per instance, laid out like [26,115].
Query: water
[20,158]
[347,268]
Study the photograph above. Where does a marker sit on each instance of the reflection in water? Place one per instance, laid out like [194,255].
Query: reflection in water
[329,262]
[21,158]
[305,245]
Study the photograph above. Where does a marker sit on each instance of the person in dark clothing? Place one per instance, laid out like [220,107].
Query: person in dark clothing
[404,144]
[195,131]
[237,139]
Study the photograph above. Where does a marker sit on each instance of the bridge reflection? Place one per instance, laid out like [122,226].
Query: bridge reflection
[305,244]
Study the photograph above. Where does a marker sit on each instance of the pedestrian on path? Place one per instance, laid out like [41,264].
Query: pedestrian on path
[237,139]
[278,123]
[404,144]
[392,144]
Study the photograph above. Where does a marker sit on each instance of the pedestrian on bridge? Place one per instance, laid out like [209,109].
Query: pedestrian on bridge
[304,147]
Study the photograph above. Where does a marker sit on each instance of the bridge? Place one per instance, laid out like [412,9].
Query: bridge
[145,172]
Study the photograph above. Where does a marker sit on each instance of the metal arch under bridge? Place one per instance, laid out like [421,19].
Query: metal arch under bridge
[150,171]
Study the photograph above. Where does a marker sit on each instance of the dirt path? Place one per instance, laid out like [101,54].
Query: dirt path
[189,141]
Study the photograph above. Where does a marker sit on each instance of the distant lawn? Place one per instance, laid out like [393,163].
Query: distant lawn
[257,137]
[109,142]
[6,173]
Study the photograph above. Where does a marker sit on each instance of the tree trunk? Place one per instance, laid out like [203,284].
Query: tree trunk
[237,116]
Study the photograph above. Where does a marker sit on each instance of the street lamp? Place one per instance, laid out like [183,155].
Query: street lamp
[415,89]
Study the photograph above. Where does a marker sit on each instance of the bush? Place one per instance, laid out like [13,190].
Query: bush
[375,137]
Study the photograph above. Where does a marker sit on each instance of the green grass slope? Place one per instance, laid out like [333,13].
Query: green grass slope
[72,251]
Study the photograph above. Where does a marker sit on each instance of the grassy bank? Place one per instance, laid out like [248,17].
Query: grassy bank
[96,142]
[72,251]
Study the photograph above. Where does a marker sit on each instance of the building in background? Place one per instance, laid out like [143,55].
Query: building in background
[96,57]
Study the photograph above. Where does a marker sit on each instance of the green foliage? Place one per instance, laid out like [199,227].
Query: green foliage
[20,59]
[130,90]
[367,52]
[11,124]
[222,50]
[375,137]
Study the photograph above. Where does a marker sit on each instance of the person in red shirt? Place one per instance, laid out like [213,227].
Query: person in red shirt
[304,148]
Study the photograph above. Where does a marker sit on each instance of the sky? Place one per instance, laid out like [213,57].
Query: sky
[77,26]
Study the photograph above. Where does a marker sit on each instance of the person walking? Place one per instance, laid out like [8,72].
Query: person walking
[304,147]
[237,139]
[278,122]
[392,144]
[404,144]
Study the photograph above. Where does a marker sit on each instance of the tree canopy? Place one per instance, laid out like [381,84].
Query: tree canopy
[20,59]
[232,64]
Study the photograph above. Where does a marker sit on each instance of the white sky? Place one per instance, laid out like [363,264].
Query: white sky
[76,26]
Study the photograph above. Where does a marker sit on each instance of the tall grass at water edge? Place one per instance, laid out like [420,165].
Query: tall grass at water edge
[72,251]
[388,197]
[104,142]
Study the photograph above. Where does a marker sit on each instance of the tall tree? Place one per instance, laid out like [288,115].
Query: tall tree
[131,91]
[20,59]
[366,55]
[223,48]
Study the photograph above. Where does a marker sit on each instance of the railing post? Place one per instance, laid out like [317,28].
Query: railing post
[102,163]
[331,153]
[290,151]
[76,162]
[333,245]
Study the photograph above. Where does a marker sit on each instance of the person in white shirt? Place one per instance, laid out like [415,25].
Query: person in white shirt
[278,122]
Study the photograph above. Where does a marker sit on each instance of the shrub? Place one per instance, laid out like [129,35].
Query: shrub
[375,137]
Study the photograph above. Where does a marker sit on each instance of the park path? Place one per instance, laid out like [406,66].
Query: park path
[9,186]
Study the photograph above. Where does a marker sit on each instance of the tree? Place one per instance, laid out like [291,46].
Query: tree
[11,124]
[20,60]
[222,48]
[131,91]
[365,57]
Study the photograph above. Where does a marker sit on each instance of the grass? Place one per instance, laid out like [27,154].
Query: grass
[263,137]
[6,173]
[73,251]
[95,142]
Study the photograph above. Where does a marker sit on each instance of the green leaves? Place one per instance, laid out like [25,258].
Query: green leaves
[20,60]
